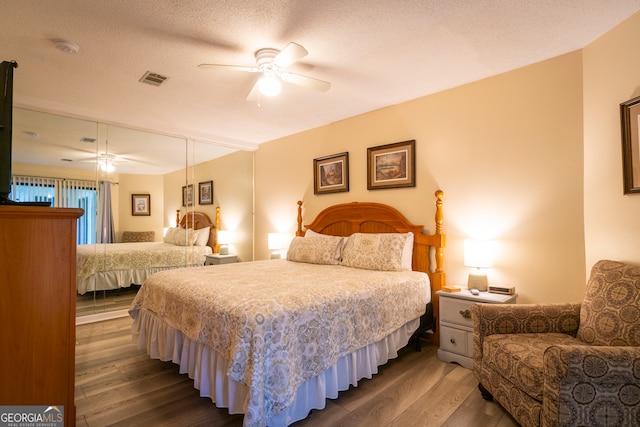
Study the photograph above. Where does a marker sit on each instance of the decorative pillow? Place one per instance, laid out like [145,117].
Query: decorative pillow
[315,250]
[376,251]
[338,254]
[180,236]
[138,236]
[609,311]
[407,253]
[202,236]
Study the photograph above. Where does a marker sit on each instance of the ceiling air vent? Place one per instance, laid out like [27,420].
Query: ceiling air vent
[88,140]
[153,79]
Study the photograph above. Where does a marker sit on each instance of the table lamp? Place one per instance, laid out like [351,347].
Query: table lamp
[478,254]
[224,238]
[276,244]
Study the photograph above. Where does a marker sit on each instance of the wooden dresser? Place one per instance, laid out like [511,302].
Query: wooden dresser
[37,306]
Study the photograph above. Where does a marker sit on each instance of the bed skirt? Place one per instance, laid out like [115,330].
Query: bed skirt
[208,369]
[116,279]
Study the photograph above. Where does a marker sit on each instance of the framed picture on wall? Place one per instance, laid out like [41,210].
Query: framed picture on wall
[205,193]
[391,165]
[187,195]
[141,204]
[630,117]
[331,174]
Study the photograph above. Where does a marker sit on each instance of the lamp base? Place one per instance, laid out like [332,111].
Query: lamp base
[224,250]
[478,281]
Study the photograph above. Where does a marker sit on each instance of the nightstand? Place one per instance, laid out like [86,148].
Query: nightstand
[217,259]
[456,327]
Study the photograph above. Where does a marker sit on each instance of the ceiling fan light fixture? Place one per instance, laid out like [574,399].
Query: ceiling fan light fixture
[107,163]
[269,85]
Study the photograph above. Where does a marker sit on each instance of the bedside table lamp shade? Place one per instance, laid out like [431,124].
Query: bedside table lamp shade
[478,254]
[224,238]
[275,241]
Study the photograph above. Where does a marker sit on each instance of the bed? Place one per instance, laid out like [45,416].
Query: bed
[274,339]
[120,265]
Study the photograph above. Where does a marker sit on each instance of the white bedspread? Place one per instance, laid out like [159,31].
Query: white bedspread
[279,323]
[102,264]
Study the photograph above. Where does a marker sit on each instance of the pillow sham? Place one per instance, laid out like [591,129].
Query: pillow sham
[315,249]
[202,236]
[180,236]
[378,251]
[338,254]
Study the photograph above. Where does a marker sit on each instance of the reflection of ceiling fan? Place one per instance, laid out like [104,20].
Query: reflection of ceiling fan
[109,162]
[272,63]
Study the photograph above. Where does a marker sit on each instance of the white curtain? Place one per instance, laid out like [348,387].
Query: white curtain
[106,231]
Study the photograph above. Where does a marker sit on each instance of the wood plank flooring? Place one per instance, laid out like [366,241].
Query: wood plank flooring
[118,385]
[105,301]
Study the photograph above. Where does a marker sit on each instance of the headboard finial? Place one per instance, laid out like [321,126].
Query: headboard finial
[299,230]
[439,216]
[216,247]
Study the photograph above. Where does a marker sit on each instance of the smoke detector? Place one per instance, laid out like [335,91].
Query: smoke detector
[66,46]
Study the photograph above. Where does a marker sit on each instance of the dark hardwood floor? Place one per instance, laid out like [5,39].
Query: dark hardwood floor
[119,385]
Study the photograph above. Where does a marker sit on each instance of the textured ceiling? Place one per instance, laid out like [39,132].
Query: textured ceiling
[374,52]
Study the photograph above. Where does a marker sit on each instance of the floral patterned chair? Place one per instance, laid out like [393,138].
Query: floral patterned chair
[565,364]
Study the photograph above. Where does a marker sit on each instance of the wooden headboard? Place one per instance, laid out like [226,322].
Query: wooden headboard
[197,220]
[361,217]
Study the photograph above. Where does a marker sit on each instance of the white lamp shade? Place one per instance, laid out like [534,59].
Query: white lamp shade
[224,237]
[478,253]
[275,241]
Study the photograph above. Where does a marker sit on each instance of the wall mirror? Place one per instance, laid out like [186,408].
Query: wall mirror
[103,158]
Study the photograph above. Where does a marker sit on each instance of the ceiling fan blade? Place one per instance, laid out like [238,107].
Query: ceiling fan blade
[228,67]
[309,82]
[254,95]
[290,54]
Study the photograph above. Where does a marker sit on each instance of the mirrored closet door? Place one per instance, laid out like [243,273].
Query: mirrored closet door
[142,176]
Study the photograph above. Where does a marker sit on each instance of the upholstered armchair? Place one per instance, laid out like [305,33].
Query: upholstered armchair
[565,364]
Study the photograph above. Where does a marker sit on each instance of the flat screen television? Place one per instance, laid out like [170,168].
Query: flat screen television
[6,127]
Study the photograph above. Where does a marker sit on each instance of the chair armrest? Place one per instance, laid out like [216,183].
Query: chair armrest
[490,319]
[584,383]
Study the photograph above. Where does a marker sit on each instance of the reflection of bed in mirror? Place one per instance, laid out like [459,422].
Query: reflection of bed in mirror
[119,265]
[274,339]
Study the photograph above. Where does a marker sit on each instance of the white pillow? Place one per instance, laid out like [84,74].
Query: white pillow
[315,250]
[202,236]
[338,254]
[378,251]
[407,253]
[180,236]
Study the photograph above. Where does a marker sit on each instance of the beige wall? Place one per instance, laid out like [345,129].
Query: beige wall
[611,77]
[507,152]
[127,186]
[52,172]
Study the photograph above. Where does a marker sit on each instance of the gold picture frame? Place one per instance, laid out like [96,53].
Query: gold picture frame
[391,165]
[331,174]
[205,193]
[630,120]
[141,204]
[187,195]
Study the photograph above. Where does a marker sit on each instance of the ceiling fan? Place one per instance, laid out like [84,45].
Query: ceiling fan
[272,64]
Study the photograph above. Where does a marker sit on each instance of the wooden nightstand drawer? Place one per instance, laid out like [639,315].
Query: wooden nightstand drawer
[456,325]
[456,311]
[453,340]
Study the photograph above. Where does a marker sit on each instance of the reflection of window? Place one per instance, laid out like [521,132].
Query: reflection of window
[62,193]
